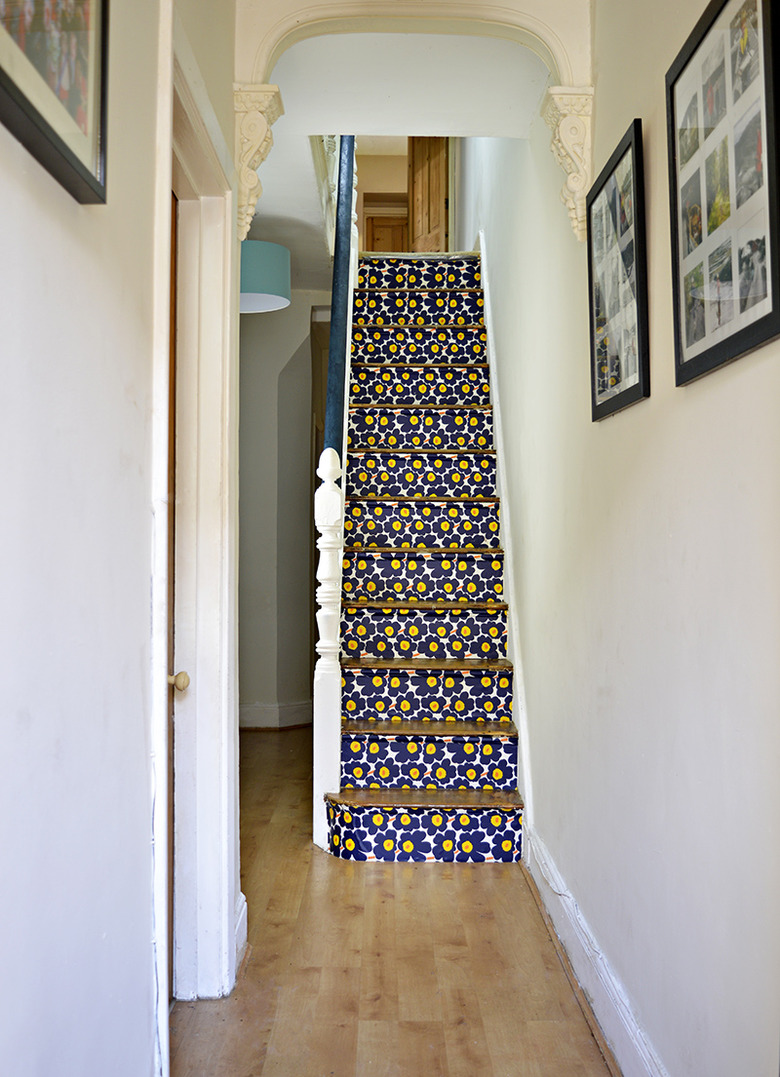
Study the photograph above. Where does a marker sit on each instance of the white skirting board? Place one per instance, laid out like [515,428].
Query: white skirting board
[274,715]
[608,999]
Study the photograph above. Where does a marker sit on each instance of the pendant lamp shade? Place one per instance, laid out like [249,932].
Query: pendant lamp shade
[265,276]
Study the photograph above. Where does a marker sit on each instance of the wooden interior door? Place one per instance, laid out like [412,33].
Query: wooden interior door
[389,234]
[428,201]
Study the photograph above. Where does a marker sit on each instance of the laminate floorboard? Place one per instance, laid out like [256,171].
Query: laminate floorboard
[378,970]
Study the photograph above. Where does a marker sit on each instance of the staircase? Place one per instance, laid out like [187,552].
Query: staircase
[428,747]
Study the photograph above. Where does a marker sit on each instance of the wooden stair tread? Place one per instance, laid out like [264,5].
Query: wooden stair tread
[413,728]
[420,366]
[416,499]
[421,407]
[417,325]
[384,290]
[402,451]
[450,551]
[468,799]
[455,664]
[411,604]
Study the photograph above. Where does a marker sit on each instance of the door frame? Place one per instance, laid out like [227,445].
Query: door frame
[209,915]
[209,908]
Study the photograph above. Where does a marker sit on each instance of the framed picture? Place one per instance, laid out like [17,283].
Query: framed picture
[617,276]
[53,87]
[720,105]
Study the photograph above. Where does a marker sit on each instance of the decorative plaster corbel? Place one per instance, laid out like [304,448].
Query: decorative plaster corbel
[256,108]
[567,110]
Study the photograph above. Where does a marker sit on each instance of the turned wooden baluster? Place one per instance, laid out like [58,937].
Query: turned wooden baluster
[329,521]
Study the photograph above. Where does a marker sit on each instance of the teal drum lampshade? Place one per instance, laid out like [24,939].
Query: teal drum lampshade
[265,276]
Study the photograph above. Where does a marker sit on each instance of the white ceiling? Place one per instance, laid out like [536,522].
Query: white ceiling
[382,85]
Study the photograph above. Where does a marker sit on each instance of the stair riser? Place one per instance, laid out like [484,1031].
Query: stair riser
[407,762]
[402,835]
[417,695]
[445,344]
[419,385]
[423,577]
[421,474]
[418,308]
[420,428]
[384,523]
[419,273]
[428,634]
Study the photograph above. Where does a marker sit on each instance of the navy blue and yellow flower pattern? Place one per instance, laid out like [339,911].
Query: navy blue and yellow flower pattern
[422,695]
[419,344]
[421,834]
[426,687]
[423,577]
[414,385]
[421,428]
[406,633]
[413,523]
[421,474]
[403,761]
[418,308]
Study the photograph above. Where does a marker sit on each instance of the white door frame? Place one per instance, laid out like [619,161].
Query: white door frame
[209,920]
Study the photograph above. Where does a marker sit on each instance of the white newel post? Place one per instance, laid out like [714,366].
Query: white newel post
[329,521]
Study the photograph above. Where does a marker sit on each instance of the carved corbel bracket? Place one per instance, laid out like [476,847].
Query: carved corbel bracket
[256,108]
[568,111]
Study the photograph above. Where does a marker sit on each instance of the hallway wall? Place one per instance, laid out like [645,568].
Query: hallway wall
[647,577]
[276,507]
[83,309]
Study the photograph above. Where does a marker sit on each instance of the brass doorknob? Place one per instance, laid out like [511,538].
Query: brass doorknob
[180,681]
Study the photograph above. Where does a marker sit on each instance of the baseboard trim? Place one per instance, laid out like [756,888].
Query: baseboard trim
[603,990]
[274,715]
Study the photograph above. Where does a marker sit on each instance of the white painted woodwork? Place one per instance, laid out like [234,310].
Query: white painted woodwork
[329,521]
[209,918]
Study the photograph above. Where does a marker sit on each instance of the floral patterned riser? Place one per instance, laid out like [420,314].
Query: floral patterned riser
[407,762]
[422,834]
[418,695]
[419,273]
[398,344]
[418,308]
[415,523]
[417,428]
[404,474]
[408,386]
[423,577]
[429,634]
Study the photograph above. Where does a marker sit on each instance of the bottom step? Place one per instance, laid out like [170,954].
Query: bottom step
[422,825]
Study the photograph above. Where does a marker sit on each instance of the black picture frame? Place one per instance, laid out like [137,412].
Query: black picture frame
[53,72]
[723,170]
[617,280]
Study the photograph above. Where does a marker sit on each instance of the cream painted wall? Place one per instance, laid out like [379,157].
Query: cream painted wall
[558,30]
[646,595]
[82,291]
[76,306]
[210,28]
[275,512]
[382,174]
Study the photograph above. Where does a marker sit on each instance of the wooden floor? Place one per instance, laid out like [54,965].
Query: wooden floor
[387,970]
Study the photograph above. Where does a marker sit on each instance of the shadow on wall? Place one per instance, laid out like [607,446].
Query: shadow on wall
[293,538]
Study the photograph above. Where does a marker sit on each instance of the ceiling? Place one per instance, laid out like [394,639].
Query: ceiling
[386,86]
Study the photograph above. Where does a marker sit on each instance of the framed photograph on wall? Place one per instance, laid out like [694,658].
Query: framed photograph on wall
[720,104]
[617,278]
[53,87]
